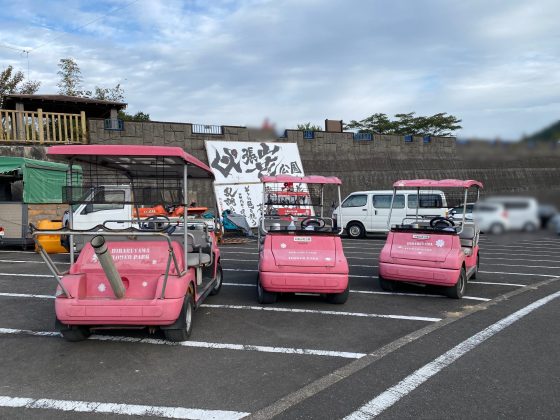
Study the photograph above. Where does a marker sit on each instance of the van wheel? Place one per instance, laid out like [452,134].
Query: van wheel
[458,290]
[182,328]
[497,229]
[387,285]
[356,230]
[72,333]
[339,298]
[529,227]
[263,296]
[218,286]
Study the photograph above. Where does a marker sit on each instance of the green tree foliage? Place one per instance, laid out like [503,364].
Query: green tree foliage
[441,124]
[71,84]
[548,134]
[308,127]
[14,82]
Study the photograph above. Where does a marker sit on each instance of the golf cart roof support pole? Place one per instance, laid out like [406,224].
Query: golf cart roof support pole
[53,270]
[465,198]
[340,228]
[322,188]
[166,276]
[417,202]
[185,214]
[263,208]
[391,209]
[71,212]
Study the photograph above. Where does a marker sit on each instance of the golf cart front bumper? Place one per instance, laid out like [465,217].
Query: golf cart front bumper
[304,282]
[418,274]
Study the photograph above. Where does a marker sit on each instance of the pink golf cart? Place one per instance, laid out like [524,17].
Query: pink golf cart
[431,250]
[300,250]
[133,273]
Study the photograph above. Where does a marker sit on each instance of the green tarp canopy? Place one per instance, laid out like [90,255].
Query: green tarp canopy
[43,181]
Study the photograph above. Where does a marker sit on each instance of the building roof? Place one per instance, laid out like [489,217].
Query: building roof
[94,108]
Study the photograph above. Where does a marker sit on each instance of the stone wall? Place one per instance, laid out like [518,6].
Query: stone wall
[374,164]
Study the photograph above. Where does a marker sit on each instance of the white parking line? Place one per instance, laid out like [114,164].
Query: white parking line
[517,274]
[497,284]
[315,311]
[196,344]
[29,262]
[374,292]
[392,395]
[485,252]
[25,275]
[520,265]
[118,408]
[26,295]
[517,259]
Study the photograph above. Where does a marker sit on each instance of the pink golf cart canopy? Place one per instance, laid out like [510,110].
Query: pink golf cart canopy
[139,161]
[311,179]
[430,183]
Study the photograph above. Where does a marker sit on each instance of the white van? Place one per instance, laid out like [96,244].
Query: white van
[523,212]
[368,211]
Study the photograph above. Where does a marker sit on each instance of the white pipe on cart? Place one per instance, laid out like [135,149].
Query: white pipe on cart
[108,265]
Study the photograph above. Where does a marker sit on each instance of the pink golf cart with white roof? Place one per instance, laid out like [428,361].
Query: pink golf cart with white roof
[300,250]
[440,251]
[133,273]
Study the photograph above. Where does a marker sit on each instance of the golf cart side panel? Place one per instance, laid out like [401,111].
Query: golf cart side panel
[411,273]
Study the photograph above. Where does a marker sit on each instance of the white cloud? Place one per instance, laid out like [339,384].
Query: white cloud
[494,64]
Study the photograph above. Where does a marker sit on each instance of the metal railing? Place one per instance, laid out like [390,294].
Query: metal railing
[42,127]
[363,136]
[207,129]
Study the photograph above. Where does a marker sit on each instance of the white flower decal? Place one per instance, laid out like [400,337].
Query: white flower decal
[101,287]
[440,243]
[283,245]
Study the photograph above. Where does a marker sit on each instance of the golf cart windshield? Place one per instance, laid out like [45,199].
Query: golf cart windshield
[429,204]
[298,204]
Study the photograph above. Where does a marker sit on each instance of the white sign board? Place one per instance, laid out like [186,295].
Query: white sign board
[238,166]
[244,162]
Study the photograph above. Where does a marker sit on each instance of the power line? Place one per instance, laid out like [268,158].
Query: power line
[86,24]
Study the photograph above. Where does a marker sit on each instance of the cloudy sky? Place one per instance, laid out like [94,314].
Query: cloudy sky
[493,63]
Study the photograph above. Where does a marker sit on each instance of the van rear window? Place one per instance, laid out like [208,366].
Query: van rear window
[427,201]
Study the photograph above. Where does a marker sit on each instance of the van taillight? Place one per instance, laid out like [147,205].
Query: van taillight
[505,214]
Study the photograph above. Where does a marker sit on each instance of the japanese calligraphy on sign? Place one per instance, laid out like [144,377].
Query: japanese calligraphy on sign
[238,166]
[244,162]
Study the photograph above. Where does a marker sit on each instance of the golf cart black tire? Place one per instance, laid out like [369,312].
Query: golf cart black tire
[218,286]
[475,272]
[356,225]
[339,298]
[264,297]
[72,333]
[180,330]
[387,285]
[457,291]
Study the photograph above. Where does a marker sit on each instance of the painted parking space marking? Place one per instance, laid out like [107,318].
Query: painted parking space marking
[375,292]
[26,295]
[319,312]
[118,408]
[497,284]
[196,344]
[520,265]
[517,274]
[25,275]
[517,259]
[392,395]
[30,262]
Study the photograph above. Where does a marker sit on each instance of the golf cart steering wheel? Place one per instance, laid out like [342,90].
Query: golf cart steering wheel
[156,223]
[313,221]
[441,222]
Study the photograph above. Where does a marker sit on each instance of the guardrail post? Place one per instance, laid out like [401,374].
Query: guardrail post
[40,125]
[83,118]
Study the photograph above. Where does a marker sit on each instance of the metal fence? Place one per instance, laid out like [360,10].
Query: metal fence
[207,129]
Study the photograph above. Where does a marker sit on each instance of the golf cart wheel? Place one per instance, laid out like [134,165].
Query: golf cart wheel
[458,290]
[181,329]
[356,230]
[339,298]
[475,272]
[73,333]
[263,296]
[387,285]
[219,277]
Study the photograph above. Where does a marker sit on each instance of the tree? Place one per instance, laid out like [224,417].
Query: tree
[11,82]
[308,127]
[71,84]
[440,124]
[70,78]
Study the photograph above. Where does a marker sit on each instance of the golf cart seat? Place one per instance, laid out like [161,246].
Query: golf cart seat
[197,259]
[467,237]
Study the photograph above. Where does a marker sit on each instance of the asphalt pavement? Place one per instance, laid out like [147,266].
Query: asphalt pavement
[398,354]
